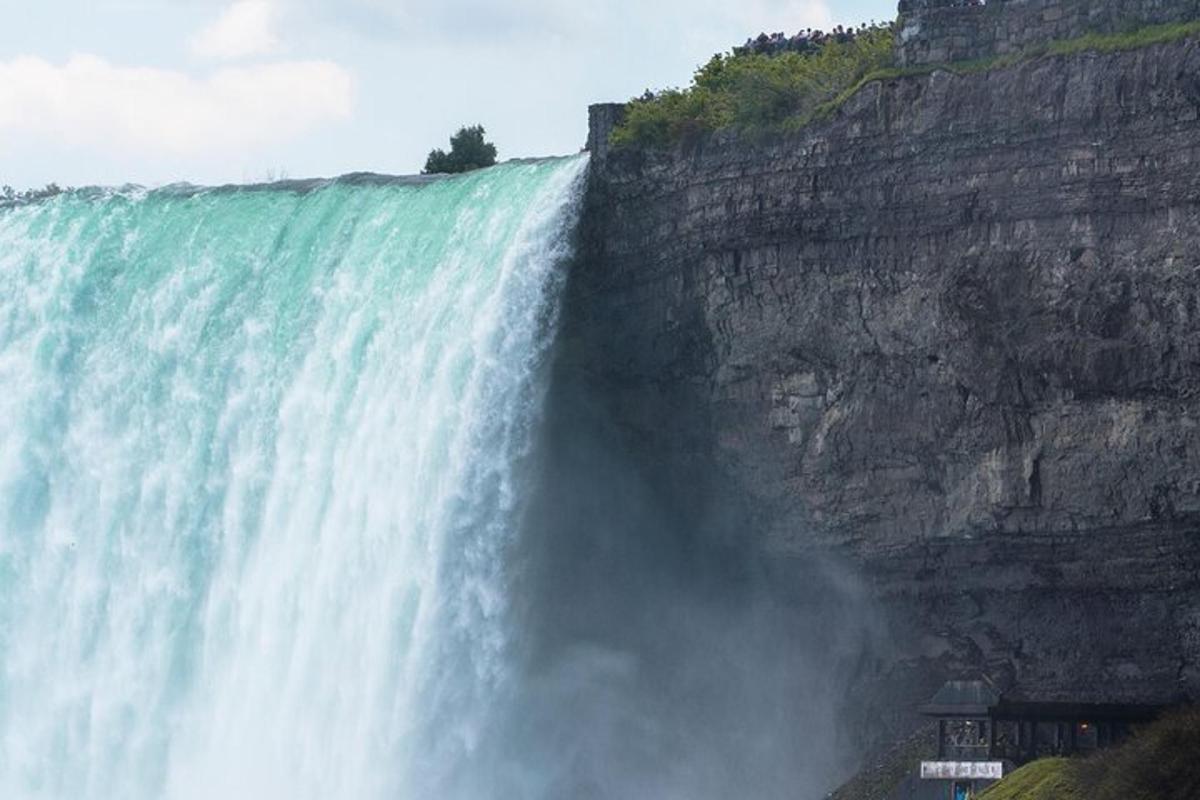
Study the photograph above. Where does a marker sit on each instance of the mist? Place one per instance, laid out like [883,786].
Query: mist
[661,653]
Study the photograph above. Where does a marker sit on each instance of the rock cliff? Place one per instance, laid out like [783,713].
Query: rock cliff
[940,31]
[949,338]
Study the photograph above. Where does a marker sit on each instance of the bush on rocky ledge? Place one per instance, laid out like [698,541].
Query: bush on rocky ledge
[755,91]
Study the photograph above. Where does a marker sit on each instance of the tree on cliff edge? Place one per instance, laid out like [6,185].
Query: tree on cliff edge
[468,151]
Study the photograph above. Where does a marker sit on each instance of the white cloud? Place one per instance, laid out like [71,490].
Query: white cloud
[90,102]
[247,28]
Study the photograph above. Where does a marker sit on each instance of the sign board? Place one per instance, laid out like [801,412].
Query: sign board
[968,770]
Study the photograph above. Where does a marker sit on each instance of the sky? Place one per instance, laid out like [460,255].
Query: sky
[109,92]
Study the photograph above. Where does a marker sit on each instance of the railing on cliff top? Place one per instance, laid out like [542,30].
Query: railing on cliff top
[945,31]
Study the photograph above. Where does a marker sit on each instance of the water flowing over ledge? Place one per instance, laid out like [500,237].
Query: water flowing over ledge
[259,465]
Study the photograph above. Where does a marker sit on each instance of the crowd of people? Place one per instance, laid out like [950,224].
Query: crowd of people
[808,40]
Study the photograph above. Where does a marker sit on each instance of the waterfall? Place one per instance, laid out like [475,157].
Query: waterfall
[261,458]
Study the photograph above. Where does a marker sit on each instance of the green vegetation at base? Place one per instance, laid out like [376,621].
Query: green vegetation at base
[1162,762]
[469,150]
[1049,779]
[754,92]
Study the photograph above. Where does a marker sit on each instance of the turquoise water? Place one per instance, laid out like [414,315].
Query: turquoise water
[259,463]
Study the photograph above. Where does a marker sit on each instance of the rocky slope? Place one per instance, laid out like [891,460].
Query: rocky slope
[949,339]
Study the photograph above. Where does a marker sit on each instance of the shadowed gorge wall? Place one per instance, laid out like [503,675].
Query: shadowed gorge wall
[951,338]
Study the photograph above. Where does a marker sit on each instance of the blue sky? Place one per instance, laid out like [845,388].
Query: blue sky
[215,91]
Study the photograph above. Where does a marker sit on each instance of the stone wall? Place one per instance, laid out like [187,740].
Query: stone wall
[603,119]
[952,337]
[945,31]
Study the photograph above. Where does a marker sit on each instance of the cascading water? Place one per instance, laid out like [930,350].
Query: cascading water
[260,459]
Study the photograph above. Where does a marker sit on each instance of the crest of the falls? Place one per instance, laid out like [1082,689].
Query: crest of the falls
[260,461]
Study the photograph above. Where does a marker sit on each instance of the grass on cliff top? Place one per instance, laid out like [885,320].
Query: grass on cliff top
[1162,762]
[1132,39]
[788,91]
[754,91]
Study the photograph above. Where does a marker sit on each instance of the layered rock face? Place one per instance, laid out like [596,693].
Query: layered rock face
[950,338]
[939,31]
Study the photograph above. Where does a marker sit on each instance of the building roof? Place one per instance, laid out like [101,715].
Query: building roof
[981,698]
[965,698]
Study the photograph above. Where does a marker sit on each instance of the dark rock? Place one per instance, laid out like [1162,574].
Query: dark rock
[887,771]
[952,338]
[942,31]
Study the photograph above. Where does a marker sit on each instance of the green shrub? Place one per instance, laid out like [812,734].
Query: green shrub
[1048,779]
[1161,762]
[753,91]
[468,151]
